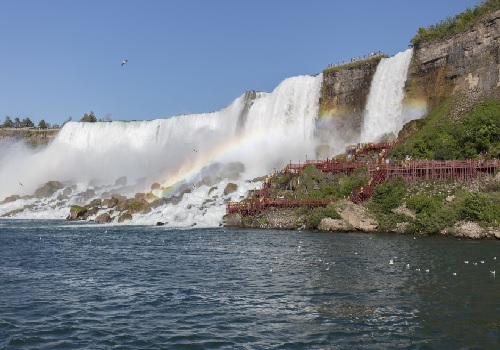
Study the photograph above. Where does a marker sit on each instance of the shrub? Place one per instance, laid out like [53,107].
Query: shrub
[457,24]
[478,207]
[314,218]
[389,195]
[432,214]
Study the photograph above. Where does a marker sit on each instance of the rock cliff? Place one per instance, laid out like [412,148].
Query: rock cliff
[33,137]
[465,62]
[343,98]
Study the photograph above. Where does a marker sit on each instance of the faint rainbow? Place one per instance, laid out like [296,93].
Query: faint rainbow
[189,170]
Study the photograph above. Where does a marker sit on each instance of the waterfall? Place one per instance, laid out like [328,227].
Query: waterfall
[260,131]
[384,110]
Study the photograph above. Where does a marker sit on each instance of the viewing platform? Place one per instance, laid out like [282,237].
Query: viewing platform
[358,59]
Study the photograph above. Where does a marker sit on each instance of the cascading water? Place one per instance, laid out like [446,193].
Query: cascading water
[384,109]
[257,133]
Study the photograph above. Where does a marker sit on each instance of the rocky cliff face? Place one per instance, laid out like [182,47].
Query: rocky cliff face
[343,98]
[33,137]
[466,62]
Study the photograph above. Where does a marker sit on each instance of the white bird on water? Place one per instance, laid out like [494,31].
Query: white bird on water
[391,262]
[493,273]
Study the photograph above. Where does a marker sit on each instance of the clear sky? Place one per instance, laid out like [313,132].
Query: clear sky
[61,58]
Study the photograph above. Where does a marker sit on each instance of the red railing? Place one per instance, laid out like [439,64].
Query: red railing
[379,171]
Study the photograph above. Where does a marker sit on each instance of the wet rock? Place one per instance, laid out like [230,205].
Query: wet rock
[211,190]
[139,195]
[77,213]
[110,202]
[96,202]
[103,218]
[126,216]
[13,213]
[230,188]
[159,223]
[48,189]
[121,181]
[89,193]
[155,186]
[329,224]
[12,198]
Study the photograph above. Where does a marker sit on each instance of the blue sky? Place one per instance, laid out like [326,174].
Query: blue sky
[61,58]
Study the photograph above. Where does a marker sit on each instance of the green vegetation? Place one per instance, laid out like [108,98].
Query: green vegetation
[389,195]
[457,24]
[436,205]
[42,124]
[89,118]
[313,219]
[441,138]
[373,60]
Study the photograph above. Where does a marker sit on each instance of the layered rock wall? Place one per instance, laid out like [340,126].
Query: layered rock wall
[469,61]
[344,94]
[33,137]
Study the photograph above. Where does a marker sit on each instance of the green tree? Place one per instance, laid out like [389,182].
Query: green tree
[89,118]
[42,124]
[8,123]
[27,123]
[17,122]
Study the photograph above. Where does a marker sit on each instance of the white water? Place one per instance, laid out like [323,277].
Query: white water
[384,108]
[264,134]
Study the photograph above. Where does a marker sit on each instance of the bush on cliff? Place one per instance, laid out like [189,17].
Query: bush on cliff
[480,207]
[389,195]
[441,138]
[457,24]
[313,219]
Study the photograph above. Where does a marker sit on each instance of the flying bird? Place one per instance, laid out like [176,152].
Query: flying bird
[124,62]
[21,184]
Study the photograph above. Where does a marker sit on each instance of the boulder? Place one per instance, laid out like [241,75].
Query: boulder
[48,189]
[121,181]
[12,198]
[77,213]
[125,216]
[356,216]
[110,202]
[404,210]
[329,224]
[155,186]
[96,202]
[89,193]
[230,188]
[468,229]
[103,218]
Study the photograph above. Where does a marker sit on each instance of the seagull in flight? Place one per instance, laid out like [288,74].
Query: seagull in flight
[124,62]
[21,184]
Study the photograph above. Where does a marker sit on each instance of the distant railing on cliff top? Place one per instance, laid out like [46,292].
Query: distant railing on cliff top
[357,59]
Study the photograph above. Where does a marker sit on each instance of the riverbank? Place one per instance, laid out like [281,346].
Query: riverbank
[427,207]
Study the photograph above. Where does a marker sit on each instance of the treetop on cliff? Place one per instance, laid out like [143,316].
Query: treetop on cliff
[457,24]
